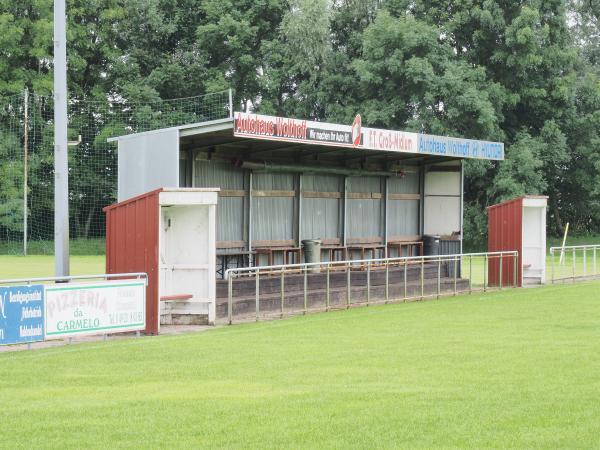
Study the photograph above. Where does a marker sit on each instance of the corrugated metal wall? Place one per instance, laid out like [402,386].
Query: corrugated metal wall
[276,211]
[403,214]
[442,200]
[449,247]
[230,210]
[322,217]
[365,216]
[273,216]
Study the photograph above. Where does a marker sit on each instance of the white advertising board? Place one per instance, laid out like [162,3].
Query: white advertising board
[95,308]
[258,126]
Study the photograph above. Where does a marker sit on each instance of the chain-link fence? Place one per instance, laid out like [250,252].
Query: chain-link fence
[27,163]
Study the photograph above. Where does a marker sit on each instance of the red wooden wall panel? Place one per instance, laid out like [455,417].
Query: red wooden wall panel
[132,245]
[505,224]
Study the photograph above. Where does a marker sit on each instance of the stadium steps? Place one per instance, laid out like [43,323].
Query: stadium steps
[270,297]
[270,284]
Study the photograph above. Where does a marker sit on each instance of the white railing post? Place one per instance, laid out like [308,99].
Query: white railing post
[368,283]
[485,263]
[515,269]
[348,281]
[230,298]
[552,269]
[257,293]
[387,280]
[500,272]
[405,279]
[455,273]
[327,299]
[574,258]
[282,289]
[439,276]
[305,289]
[422,278]
[470,274]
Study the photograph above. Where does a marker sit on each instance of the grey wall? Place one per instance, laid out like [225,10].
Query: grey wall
[365,216]
[277,214]
[322,218]
[403,215]
[230,210]
[273,216]
[147,162]
[442,202]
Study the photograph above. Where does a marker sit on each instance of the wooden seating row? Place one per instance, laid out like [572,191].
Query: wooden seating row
[370,248]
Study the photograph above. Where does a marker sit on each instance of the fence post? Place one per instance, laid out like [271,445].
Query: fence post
[405,279]
[516,270]
[455,273]
[387,280]
[305,289]
[368,283]
[282,289]
[230,298]
[574,257]
[584,261]
[594,260]
[470,274]
[327,300]
[257,293]
[439,276]
[500,271]
[552,259]
[422,278]
[348,286]
[485,263]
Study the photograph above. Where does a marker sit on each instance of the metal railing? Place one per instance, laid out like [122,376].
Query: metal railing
[278,290]
[574,262]
[105,276]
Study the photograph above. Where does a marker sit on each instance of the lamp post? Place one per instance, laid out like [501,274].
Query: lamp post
[61,159]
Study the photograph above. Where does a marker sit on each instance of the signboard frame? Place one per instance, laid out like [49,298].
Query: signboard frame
[259,126]
[78,309]
[22,310]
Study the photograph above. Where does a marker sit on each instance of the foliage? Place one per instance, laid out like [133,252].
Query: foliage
[11,185]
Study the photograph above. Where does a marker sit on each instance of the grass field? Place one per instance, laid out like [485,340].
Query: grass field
[88,258]
[91,246]
[517,368]
[43,266]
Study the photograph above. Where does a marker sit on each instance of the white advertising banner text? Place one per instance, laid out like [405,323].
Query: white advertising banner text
[95,308]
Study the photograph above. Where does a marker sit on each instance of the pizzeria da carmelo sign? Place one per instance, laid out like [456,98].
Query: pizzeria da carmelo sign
[258,126]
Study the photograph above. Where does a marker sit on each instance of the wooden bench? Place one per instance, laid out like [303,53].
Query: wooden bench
[176,297]
[413,248]
[334,247]
[364,245]
[287,247]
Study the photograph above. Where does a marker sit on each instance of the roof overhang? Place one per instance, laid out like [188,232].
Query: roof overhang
[254,137]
